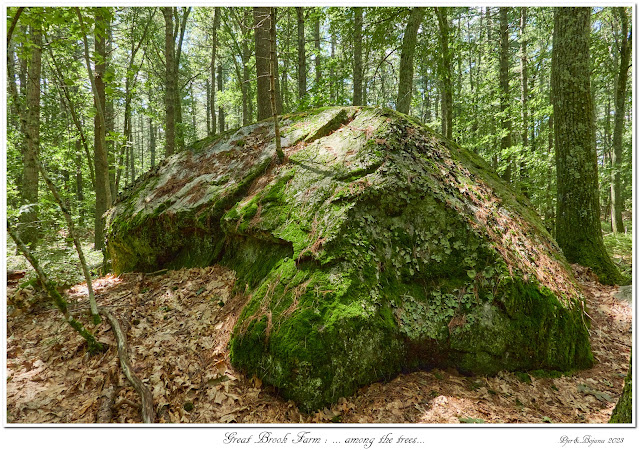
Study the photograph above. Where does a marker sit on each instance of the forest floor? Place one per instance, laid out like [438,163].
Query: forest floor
[178,327]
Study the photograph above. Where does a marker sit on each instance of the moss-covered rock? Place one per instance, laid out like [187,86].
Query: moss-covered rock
[377,246]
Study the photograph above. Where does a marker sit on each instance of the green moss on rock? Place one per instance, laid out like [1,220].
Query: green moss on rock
[378,246]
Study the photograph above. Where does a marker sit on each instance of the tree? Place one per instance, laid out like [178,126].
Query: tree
[273,62]
[504,89]
[406,67]
[301,56]
[29,219]
[616,197]
[214,32]
[445,69]
[170,98]
[357,57]
[261,16]
[578,226]
[523,173]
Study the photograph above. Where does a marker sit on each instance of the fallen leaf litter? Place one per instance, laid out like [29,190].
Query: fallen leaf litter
[178,327]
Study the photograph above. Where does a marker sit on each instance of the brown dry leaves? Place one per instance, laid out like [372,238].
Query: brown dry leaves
[179,325]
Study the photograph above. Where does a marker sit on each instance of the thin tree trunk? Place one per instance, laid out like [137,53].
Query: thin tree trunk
[445,73]
[406,66]
[216,27]
[504,81]
[76,241]
[220,87]
[616,200]
[357,57]
[273,61]
[109,121]
[152,141]
[301,56]
[523,170]
[318,53]
[179,126]
[208,107]
[171,81]
[79,188]
[93,345]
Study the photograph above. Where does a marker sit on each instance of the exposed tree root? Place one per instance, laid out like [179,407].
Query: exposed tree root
[148,413]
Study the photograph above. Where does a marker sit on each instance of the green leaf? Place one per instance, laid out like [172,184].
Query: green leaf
[471,420]
[471,274]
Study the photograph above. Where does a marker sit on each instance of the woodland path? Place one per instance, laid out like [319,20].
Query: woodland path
[180,322]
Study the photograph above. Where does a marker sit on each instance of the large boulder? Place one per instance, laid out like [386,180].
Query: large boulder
[377,246]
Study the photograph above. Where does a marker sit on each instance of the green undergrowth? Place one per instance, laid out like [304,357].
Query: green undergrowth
[58,258]
[619,246]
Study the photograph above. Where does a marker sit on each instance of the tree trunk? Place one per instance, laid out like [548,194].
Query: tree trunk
[301,56]
[406,66]
[504,91]
[578,226]
[273,93]
[109,120]
[93,345]
[616,200]
[152,141]
[445,74]
[179,126]
[523,170]
[30,231]
[171,81]
[79,188]
[261,17]
[216,26]
[208,107]
[357,57]
[220,87]
[333,87]
[101,162]
[318,53]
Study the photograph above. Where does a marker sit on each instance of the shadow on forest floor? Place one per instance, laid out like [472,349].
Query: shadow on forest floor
[179,324]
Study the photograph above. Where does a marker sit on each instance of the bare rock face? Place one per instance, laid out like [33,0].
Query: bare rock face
[377,246]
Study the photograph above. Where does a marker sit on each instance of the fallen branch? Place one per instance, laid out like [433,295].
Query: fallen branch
[148,414]
[105,413]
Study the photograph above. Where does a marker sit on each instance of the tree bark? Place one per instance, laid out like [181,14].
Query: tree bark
[357,57]
[171,81]
[216,26]
[445,74]
[504,89]
[523,170]
[578,225]
[318,53]
[301,57]
[261,16]
[273,61]
[220,87]
[179,126]
[616,197]
[406,66]
[30,230]
[101,163]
